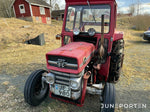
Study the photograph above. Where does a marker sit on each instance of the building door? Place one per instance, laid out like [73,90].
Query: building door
[44,20]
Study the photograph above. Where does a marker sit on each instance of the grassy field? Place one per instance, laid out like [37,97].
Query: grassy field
[19,58]
[130,35]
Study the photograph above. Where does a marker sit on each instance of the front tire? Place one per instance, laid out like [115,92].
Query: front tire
[108,98]
[34,94]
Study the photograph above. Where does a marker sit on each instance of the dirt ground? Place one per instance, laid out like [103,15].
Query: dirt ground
[133,87]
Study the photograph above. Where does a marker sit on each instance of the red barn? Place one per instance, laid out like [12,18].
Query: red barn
[37,11]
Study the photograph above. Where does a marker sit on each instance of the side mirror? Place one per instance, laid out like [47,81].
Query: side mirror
[58,36]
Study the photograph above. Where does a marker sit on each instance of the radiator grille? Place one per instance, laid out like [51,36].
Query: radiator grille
[63,62]
[62,78]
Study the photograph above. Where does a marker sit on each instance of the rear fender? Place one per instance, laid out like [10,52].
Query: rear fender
[118,35]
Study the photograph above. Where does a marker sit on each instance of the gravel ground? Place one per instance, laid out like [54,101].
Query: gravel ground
[129,90]
[138,90]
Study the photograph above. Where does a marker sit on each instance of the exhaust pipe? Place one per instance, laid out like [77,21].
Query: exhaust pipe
[95,89]
[101,49]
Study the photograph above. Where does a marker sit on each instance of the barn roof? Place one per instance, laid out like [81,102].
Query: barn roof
[38,3]
[35,2]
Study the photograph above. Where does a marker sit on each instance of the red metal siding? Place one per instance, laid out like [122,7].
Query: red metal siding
[17,11]
[36,11]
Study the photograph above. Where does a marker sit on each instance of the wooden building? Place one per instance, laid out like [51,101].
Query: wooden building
[58,14]
[37,11]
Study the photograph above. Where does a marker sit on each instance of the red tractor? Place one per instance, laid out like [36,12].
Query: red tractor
[89,60]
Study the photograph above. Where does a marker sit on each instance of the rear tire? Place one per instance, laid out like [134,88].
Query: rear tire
[34,94]
[108,98]
[116,62]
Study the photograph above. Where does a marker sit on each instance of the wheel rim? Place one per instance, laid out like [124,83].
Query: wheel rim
[40,92]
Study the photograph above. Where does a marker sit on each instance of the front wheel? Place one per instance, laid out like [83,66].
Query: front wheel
[108,98]
[34,94]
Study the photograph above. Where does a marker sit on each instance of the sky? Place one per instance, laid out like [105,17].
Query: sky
[123,5]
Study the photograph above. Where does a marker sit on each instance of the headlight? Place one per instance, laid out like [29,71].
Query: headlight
[91,31]
[50,78]
[74,84]
[76,31]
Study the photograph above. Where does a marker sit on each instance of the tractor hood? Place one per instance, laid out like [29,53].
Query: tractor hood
[71,58]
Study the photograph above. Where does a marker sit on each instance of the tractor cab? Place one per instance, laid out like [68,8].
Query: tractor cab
[83,20]
[87,19]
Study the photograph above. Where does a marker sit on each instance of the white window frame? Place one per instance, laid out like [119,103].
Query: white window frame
[22,11]
[37,18]
[48,18]
[42,10]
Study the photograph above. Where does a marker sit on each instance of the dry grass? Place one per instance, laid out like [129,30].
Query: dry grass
[141,22]
[17,57]
[133,59]
[125,24]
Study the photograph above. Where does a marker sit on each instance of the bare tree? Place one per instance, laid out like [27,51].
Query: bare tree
[52,3]
[138,7]
[56,7]
[132,9]
[5,8]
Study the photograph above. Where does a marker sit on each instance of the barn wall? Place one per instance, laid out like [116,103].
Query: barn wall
[17,11]
[47,12]
[27,18]
[37,17]
[35,20]
[36,11]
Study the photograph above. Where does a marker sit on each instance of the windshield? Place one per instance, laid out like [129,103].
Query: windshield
[83,18]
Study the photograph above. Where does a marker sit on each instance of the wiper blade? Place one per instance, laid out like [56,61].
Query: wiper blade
[91,10]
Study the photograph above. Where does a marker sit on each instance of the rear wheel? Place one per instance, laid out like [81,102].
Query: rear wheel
[34,94]
[116,62]
[108,98]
